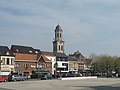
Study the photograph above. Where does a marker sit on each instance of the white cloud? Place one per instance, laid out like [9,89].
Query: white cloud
[85,23]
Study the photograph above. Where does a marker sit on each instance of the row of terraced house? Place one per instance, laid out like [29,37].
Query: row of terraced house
[25,59]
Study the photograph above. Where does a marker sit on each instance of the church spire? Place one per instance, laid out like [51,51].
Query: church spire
[58,43]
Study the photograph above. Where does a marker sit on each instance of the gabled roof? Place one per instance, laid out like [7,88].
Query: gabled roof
[22,49]
[48,53]
[79,55]
[43,57]
[4,50]
[88,61]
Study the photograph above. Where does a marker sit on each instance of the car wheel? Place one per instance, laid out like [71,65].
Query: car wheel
[5,80]
[14,80]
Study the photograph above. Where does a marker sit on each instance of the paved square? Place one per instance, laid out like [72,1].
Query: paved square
[86,84]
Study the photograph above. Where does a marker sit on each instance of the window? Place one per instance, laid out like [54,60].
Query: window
[59,47]
[12,61]
[17,65]
[63,59]
[71,65]
[60,35]
[7,61]
[57,35]
[58,59]
[32,66]
[41,66]
[64,64]
[36,51]
[3,61]
[30,51]
[62,47]
[48,65]
[26,66]
[7,53]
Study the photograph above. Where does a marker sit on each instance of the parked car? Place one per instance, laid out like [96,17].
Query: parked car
[74,75]
[16,78]
[3,78]
[27,77]
[46,76]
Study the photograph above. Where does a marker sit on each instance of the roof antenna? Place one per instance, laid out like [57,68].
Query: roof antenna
[58,22]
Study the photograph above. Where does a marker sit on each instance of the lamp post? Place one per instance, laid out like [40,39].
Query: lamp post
[56,67]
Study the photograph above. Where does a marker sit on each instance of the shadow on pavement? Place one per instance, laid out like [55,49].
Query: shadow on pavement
[99,87]
[5,89]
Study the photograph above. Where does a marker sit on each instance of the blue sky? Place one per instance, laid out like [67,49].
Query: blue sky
[90,26]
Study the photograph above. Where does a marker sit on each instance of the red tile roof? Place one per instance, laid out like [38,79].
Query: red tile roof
[48,53]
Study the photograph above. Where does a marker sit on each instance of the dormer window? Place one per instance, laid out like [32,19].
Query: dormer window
[36,51]
[30,51]
[17,50]
[7,53]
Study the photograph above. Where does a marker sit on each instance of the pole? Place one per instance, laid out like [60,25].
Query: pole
[0,63]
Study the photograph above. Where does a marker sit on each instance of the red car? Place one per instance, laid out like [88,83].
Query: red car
[3,78]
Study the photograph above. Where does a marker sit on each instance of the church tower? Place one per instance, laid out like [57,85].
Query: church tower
[58,43]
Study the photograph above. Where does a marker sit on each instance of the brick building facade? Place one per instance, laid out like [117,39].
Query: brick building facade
[44,63]
[25,59]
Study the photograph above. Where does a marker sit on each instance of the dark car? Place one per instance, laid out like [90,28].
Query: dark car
[15,78]
[46,76]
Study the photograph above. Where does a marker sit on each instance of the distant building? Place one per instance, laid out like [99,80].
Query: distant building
[25,59]
[44,63]
[62,63]
[7,59]
[58,49]
[73,64]
[51,56]
[82,62]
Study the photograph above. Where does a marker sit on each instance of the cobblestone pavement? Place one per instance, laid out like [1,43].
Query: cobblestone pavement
[86,84]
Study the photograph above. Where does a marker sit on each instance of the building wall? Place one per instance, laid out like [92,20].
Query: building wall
[73,66]
[49,66]
[45,66]
[25,66]
[81,66]
[7,63]
[25,60]
[63,66]
[53,60]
